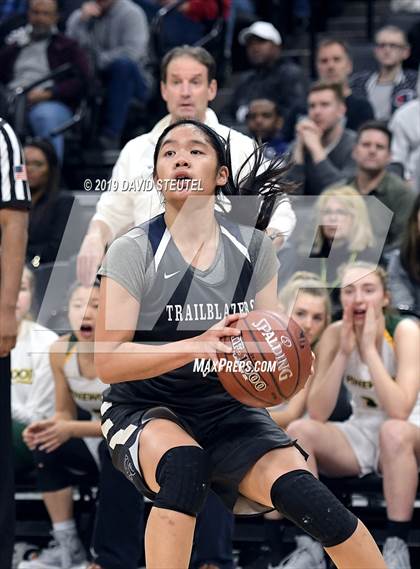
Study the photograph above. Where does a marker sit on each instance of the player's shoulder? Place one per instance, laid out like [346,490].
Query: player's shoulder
[141,236]
[406,328]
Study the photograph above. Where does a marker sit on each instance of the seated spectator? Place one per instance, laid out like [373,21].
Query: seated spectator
[50,209]
[404,266]
[62,444]
[343,235]
[400,453]
[305,299]
[372,154]
[322,150]
[35,51]
[379,358]
[264,121]
[391,86]
[32,379]
[271,77]
[405,148]
[116,32]
[334,64]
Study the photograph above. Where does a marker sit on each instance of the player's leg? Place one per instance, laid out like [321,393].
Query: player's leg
[399,453]
[177,469]
[281,479]
[329,449]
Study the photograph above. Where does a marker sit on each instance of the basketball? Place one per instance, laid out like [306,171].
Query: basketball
[270,361]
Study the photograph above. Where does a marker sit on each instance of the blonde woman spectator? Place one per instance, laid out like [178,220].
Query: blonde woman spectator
[306,300]
[32,379]
[344,234]
[377,354]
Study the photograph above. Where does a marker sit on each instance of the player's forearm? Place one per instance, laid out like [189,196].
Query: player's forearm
[325,388]
[14,226]
[392,398]
[132,362]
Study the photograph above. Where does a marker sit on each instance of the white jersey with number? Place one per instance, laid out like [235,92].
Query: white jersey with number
[357,378]
[86,393]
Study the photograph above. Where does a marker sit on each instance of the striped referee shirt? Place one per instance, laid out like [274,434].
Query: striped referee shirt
[14,188]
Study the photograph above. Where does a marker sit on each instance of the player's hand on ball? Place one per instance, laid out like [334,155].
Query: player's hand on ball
[210,342]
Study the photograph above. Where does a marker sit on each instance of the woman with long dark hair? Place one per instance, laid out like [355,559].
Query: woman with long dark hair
[50,208]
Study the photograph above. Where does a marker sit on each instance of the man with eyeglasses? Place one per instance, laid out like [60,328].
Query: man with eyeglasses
[390,87]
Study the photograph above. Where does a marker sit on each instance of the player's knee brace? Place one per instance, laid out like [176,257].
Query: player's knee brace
[309,504]
[183,474]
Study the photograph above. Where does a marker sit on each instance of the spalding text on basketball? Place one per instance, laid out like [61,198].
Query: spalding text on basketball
[275,344]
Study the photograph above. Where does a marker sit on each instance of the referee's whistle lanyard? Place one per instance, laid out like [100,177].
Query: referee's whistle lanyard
[336,282]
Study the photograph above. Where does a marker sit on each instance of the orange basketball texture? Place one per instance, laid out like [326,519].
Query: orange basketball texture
[270,362]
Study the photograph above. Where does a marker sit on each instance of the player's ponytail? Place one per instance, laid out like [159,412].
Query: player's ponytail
[262,179]
[259,181]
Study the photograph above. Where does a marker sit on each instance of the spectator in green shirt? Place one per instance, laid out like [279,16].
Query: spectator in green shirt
[372,156]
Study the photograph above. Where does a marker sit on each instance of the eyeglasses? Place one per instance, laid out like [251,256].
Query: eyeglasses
[337,212]
[275,235]
[383,45]
[35,163]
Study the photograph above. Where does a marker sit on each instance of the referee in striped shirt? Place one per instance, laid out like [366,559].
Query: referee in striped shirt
[14,205]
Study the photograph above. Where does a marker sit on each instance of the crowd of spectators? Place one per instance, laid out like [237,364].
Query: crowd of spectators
[352,144]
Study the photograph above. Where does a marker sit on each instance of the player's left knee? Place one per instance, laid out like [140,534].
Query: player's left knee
[309,504]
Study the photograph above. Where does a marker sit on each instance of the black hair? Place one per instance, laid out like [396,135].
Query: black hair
[264,178]
[50,154]
[375,125]
[76,284]
[278,111]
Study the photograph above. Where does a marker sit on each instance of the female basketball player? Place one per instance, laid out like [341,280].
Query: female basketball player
[165,289]
[379,359]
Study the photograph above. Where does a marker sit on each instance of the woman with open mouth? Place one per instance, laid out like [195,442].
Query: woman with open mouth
[376,354]
[65,447]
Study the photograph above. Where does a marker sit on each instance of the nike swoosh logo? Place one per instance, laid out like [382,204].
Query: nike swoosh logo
[170,275]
